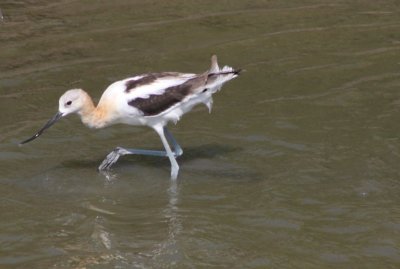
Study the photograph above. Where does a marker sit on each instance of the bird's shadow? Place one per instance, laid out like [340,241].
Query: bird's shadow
[207,151]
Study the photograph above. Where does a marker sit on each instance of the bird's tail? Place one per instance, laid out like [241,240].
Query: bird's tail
[217,76]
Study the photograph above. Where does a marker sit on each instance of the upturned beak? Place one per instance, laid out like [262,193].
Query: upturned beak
[53,120]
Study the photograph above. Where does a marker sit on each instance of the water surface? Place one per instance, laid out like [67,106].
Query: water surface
[296,167]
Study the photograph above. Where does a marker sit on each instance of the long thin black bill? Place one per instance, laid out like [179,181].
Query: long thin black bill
[46,126]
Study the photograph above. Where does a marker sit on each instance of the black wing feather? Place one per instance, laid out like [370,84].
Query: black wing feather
[155,104]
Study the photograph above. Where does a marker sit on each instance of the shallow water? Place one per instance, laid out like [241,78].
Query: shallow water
[296,167]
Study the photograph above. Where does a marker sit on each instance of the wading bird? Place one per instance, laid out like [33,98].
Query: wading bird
[152,99]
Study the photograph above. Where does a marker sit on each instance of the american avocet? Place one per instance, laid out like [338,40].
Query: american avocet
[152,99]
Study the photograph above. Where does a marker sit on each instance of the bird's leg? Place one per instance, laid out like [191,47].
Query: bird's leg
[112,158]
[174,164]
[114,155]
[177,149]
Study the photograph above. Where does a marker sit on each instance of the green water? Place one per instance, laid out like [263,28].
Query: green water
[296,167]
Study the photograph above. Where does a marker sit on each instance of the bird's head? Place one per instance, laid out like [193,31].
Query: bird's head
[72,101]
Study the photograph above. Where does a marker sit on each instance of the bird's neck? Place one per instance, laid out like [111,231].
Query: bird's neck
[94,116]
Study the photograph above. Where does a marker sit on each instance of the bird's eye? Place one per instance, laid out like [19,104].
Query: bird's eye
[68,103]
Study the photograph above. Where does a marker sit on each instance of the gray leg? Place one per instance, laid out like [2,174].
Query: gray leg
[177,149]
[174,164]
[114,155]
